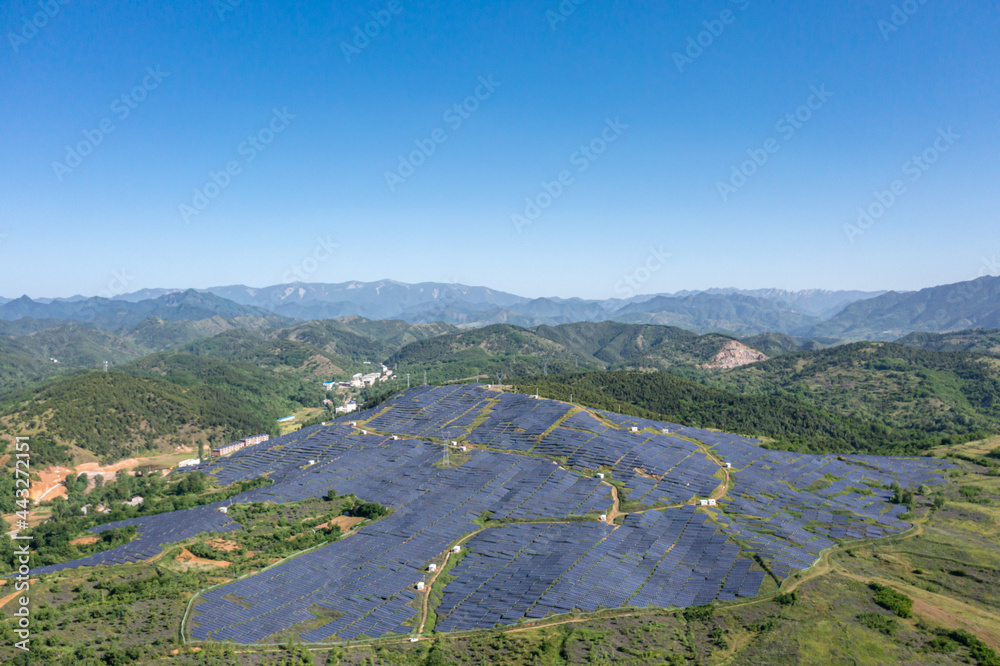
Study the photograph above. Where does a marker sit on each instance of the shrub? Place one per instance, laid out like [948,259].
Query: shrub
[370,510]
[887,625]
[890,599]
[970,492]
[981,652]
[942,644]
[699,613]
[787,599]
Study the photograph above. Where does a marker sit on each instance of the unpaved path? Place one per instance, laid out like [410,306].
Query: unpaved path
[944,610]
[425,603]
[10,597]
[615,507]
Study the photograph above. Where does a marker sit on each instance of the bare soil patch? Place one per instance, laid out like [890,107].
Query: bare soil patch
[223,545]
[190,558]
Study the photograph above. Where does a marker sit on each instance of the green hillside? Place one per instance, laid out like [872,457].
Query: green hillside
[961,306]
[20,368]
[332,337]
[776,344]
[79,346]
[618,345]
[488,350]
[791,425]
[160,400]
[883,383]
[559,349]
[978,340]
[26,351]
[27,359]
[157,334]
[393,332]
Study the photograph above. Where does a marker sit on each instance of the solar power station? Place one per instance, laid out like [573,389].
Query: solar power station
[528,460]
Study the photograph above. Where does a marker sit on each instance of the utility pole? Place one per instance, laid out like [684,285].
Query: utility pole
[407,380]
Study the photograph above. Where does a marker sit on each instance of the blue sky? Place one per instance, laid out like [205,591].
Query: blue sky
[605,137]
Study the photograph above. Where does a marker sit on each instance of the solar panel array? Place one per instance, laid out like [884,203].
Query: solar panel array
[788,507]
[153,532]
[783,506]
[509,569]
[516,421]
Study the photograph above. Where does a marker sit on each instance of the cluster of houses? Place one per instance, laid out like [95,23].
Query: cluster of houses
[233,447]
[100,508]
[361,380]
[347,407]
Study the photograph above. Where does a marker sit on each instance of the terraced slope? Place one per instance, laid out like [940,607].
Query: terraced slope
[528,510]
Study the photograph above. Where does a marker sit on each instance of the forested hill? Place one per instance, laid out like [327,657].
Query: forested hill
[160,401]
[978,340]
[895,385]
[791,425]
[519,351]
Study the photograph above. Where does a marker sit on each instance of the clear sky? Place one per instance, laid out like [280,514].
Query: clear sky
[591,140]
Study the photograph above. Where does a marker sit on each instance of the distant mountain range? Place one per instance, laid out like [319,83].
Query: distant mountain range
[841,315]
[115,315]
[953,307]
